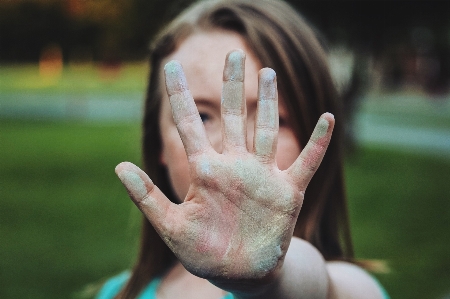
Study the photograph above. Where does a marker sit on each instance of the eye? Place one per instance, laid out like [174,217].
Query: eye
[205,117]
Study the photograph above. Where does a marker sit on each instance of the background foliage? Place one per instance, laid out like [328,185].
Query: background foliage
[66,223]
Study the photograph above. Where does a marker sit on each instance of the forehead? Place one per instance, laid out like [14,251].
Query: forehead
[208,49]
[202,56]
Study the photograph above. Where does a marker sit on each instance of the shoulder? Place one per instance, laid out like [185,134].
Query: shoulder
[350,281]
[113,285]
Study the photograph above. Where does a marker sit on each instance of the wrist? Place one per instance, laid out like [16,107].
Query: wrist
[254,287]
[303,271]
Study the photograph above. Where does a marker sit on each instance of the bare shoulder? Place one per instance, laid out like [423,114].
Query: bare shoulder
[350,281]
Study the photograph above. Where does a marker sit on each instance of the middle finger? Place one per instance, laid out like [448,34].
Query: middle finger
[233,108]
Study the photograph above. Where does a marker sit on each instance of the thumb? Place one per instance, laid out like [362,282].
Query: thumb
[146,196]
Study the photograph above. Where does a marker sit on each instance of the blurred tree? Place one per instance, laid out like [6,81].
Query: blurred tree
[110,29]
[391,33]
[126,25]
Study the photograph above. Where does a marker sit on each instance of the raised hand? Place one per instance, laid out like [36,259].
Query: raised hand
[238,216]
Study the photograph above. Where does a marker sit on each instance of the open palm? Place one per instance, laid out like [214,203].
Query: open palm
[237,219]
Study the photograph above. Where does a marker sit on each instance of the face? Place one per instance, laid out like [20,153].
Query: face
[202,56]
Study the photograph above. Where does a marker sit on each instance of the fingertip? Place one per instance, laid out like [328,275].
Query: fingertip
[328,116]
[236,55]
[267,74]
[175,78]
[234,66]
[120,167]
[267,86]
[136,181]
[125,166]
[172,66]
[323,126]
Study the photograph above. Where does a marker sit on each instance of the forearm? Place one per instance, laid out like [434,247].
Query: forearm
[303,275]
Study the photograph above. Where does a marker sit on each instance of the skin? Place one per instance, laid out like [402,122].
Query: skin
[240,178]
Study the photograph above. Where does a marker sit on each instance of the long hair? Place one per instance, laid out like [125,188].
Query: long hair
[281,39]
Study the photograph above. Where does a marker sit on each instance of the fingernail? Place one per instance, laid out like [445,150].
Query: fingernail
[267,84]
[234,66]
[134,184]
[321,128]
[267,75]
[175,78]
[328,115]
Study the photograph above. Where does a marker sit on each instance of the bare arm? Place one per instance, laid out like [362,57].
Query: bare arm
[305,274]
[352,282]
[235,225]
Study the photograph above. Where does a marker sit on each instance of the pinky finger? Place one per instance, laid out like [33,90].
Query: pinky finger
[312,154]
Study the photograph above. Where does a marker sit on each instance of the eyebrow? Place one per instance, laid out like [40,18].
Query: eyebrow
[206,102]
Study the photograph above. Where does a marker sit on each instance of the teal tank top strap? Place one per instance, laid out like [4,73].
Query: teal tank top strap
[383,290]
[113,286]
[150,291]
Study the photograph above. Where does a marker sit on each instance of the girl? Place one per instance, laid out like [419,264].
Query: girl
[230,162]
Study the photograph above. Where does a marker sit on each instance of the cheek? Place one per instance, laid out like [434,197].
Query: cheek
[214,133]
[174,157]
[288,149]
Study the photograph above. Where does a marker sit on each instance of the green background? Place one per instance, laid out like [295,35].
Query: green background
[66,223]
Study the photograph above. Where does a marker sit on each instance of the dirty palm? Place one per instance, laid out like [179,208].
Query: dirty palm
[237,219]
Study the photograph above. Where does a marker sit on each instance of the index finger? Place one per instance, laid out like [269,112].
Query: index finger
[312,154]
[184,111]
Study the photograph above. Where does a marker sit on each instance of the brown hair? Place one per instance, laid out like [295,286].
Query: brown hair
[281,40]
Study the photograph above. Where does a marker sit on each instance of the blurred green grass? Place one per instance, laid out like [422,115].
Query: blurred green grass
[400,210]
[66,222]
[74,78]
